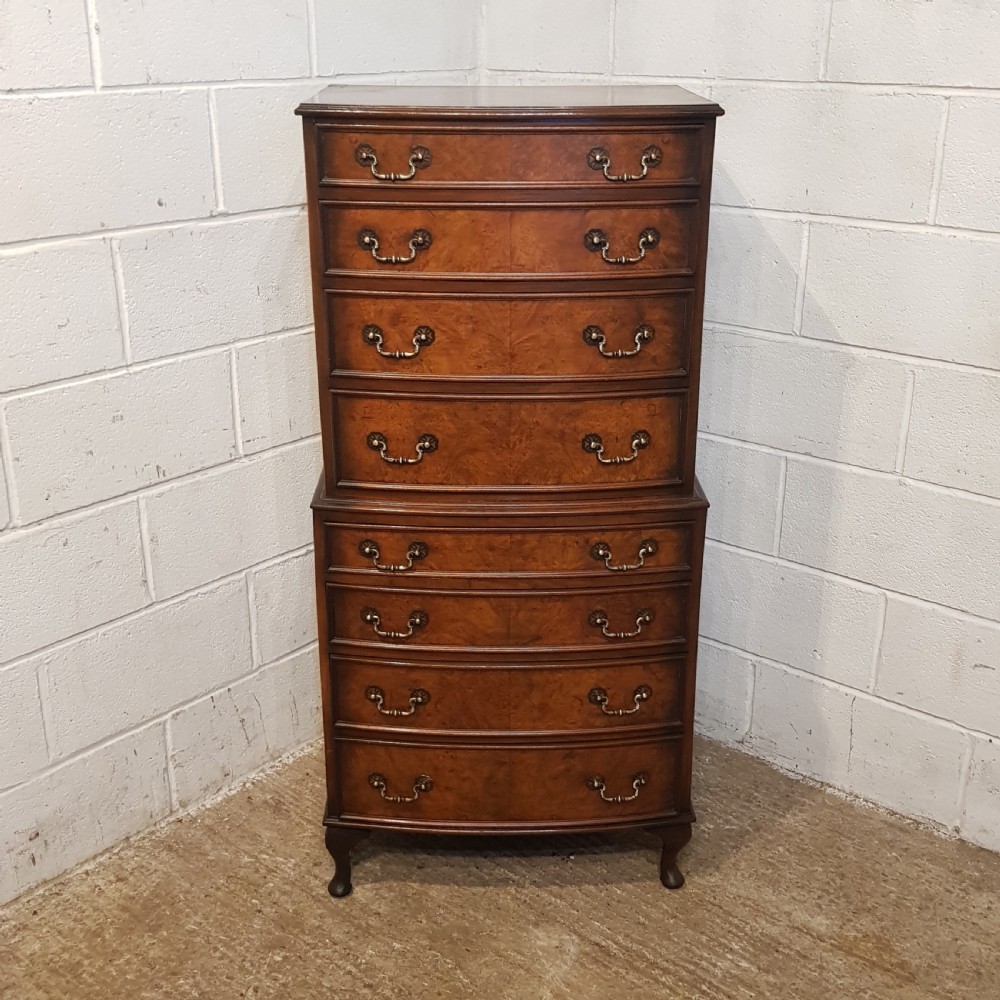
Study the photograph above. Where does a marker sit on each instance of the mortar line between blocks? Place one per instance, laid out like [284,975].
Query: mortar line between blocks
[939,155]
[964,777]
[779,512]
[160,361]
[157,720]
[840,686]
[800,287]
[123,321]
[94,43]
[482,46]
[147,549]
[612,27]
[213,138]
[904,424]
[824,57]
[234,391]
[311,37]
[879,635]
[14,248]
[152,608]
[255,657]
[7,462]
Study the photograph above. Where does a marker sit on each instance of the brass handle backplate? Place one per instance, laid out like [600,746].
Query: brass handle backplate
[418,697]
[423,336]
[421,783]
[426,444]
[417,619]
[594,337]
[596,241]
[419,240]
[600,159]
[596,784]
[599,619]
[598,696]
[420,159]
[593,444]
[601,551]
[416,550]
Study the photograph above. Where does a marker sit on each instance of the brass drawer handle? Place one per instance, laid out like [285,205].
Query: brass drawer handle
[596,784]
[416,550]
[426,443]
[417,619]
[420,159]
[599,619]
[601,551]
[421,783]
[594,337]
[600,159]
[596,240]
[598,696]
[419,240]
[418,697]
[423,336]
[594,445]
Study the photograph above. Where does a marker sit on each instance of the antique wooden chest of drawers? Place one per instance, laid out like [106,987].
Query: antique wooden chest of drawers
[508,290]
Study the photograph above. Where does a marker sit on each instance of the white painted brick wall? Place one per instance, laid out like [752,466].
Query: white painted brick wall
[158,410]
[851,609]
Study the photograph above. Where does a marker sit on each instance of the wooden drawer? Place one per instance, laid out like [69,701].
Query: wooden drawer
[541,337]
[383,620]
[549,786]
[403,553]
[443,241]
[508,443]
[598,695]
[567,158]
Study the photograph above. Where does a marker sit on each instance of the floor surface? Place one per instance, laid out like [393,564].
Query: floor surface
[791,893]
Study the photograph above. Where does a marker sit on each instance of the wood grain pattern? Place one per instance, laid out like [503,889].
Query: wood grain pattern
[497,240]
[479,698]
[508,785]
[538,337]
[484,621]
[492,443]
[504,159]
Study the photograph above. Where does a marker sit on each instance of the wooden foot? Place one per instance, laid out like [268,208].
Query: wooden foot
[674,837]
[340,842]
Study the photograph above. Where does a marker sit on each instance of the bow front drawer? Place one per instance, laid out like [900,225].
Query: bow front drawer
[607,161]
[598,695]
[410,442]
[597,337]
[383,621]
[454,785]
[610,241]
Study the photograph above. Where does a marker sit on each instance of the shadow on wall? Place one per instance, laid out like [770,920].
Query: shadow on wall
[776,409]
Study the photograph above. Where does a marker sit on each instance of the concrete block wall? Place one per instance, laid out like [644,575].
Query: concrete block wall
[850,423]
[158,424]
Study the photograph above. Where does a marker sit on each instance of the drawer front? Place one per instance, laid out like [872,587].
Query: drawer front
[588,337]
[578,158]
[499,444]
[451,241]
[384,620]
[610,554]
[549,786]
[612,695]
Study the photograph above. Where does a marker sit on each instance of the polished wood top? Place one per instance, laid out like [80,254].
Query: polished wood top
[612,101]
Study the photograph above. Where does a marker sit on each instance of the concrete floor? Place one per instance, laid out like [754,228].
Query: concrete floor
[791,893]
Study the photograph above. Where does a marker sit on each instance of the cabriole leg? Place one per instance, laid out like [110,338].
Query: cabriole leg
[340,841]
[674,837]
